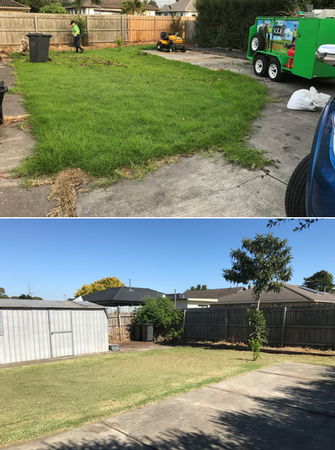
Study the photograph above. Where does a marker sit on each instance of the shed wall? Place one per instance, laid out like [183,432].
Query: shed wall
[39,334]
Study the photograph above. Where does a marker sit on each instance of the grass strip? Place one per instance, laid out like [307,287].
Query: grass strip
[43,399]
[105,110]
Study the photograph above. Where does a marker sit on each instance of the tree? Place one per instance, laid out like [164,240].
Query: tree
[35,5]
[132,7]
[161,312]
[262,261]
[54,8]
[319,280]
[25,297]
[199,287]
[99,285]
[153,3]
[304,224]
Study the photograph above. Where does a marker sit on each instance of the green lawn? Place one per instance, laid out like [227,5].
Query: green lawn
[46,398]
[104,110]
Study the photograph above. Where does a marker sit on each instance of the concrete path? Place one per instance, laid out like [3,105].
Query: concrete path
[16,143]
[286,406]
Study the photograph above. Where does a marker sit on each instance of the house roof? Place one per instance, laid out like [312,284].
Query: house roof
[120,295]
[213,293]
[38,304]
[290,294]
[180,6]
[10,4]
[114,5]
[148,7]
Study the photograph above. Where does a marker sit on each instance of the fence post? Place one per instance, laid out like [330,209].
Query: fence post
[283,327]
[35,23]
[121,18]
[184,321]
[120,323]
[156,29]
[130,31]
[88,30]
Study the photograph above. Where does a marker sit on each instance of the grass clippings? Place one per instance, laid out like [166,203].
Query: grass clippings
[9,120]
[65,189]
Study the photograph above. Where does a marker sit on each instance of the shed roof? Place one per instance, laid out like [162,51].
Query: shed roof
[38,304]
[290,293]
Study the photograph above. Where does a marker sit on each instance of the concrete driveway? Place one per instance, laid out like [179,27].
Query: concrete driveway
[193,187]
[286,406]
[208,187]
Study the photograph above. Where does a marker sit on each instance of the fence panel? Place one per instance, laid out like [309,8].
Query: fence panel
[101,28]
[304,325]
[119,326]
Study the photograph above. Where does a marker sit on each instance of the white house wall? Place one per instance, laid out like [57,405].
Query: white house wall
[39,334]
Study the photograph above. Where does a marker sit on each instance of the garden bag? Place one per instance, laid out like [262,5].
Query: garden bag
[305,99]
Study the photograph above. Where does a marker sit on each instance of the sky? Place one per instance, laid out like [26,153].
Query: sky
[55,257]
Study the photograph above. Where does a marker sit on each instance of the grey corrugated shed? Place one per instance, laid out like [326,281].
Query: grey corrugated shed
[37,329]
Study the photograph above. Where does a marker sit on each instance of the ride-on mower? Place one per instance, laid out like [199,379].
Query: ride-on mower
[170,42]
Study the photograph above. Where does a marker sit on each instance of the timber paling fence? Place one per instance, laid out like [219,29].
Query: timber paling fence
[101,29]
[303,325]
[119,326]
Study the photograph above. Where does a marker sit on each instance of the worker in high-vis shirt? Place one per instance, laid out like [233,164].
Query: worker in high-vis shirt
[76,36]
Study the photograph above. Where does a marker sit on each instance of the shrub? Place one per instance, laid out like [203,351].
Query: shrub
[119,42]
[160,311]
[177,25]
[81,22]
[54,8]
[259,334]
[226,23]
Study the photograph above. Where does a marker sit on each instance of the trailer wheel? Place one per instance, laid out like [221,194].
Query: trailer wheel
[257,43]
[295,197]
[261,65]
[274,71]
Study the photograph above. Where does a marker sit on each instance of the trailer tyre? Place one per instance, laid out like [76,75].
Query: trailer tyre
[295,197]
[274,71]
[257,43]
[261,65]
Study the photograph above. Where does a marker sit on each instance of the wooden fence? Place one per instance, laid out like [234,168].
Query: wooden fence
[102,29]
[119,326]
[304,325]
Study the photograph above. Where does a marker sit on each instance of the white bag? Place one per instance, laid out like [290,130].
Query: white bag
[307,99]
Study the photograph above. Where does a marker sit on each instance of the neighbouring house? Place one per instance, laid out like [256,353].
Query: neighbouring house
[108,7]
[9,6]
[131,296]
[185,8]
[190,301]
[38,329]
[291,294]
[120,296]
[150,10]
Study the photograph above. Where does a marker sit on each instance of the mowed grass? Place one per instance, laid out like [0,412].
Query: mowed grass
[42,399]
[104,110]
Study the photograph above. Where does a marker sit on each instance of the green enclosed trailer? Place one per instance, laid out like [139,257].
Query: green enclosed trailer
[302,46]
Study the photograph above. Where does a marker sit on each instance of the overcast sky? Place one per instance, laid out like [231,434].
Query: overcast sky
[55,257]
